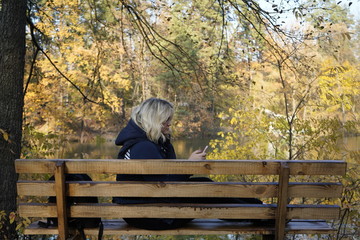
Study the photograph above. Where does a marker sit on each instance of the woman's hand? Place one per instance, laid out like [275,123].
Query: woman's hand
[198,155]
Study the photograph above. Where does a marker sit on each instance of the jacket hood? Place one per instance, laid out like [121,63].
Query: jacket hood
[130,133]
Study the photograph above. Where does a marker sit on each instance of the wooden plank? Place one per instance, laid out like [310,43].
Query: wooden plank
[179,189]
[226,211]
[315,190]
[233,211]
[150,189]
[61,200]
[153,210]
[174,189]
[150,166]
[282,202]
[42,210]
[196,227]
[35,165]
[161,166]
[205,189]
[313,212]
[35,188]
[318,167]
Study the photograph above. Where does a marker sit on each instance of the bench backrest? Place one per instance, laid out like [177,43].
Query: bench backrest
[283,187]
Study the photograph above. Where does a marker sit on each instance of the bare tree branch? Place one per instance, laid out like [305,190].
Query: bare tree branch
[146,30]
[31,70]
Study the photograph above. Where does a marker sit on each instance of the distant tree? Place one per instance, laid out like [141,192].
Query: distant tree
[12,54]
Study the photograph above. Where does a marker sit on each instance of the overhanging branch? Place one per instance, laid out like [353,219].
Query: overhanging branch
[39,48]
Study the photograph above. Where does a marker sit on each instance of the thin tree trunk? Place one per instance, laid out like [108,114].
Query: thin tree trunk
[12,60]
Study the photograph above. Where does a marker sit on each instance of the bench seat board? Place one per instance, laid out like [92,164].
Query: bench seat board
[197,227]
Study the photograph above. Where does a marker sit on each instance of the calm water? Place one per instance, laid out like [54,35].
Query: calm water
[183,148]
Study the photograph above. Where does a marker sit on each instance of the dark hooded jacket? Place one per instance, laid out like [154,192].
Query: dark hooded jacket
[136,145]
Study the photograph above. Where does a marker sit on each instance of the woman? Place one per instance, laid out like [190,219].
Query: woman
[147,136]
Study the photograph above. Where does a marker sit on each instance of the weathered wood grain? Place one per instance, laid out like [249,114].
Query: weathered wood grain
[180,189]
[231,211]
[161,166]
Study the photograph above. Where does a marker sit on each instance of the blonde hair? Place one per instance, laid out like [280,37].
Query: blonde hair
[150,116]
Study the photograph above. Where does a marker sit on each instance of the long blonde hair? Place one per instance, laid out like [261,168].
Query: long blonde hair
[150,116]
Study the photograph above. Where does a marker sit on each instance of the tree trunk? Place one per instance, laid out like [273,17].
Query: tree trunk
[12,60]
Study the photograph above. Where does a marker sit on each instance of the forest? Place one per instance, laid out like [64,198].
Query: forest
[265,79]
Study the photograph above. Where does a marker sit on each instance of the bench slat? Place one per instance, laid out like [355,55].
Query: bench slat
[179,189]
[231,211]
[197,227]
[160,166]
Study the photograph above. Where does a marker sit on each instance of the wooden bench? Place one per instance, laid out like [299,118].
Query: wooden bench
[291,214]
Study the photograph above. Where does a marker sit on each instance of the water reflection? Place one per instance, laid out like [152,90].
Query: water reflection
[184,147]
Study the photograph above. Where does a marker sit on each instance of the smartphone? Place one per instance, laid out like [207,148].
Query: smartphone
[205,148]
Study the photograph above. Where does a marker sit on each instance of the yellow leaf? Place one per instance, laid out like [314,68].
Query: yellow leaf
[26,221]
[5,134]
[12,216]
[18,226]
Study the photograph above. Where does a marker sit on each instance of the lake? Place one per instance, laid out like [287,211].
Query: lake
[183,148]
